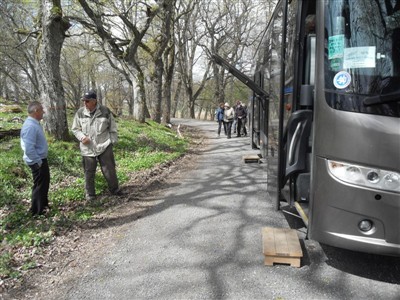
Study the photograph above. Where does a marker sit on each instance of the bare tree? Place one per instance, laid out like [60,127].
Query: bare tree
[169,62]
[188,38]
[134,38]
[49,44]
[233,28]
[35,33]
[161,56]
[117,25]
[18,78]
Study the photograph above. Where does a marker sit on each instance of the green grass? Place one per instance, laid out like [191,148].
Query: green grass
[140,146]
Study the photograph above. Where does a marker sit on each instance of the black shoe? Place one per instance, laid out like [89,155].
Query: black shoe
[117,192]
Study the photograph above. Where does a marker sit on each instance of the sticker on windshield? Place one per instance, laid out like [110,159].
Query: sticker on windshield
[342,80]
[359,57]
[336,46]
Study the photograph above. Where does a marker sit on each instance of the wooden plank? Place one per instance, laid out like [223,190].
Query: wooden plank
[294,244]
[281,245]
[268,241]
[251,158]
[301,212]
[292,261]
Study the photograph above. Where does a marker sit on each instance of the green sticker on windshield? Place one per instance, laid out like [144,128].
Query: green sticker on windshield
[336,46]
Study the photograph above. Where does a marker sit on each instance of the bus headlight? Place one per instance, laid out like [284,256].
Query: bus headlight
[392,181]
[365,176]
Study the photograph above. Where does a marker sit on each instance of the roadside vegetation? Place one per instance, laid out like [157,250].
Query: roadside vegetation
[140,147]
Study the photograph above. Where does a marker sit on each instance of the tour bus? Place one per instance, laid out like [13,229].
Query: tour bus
[325,116]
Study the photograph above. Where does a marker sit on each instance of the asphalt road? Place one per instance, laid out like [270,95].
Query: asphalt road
[203,241]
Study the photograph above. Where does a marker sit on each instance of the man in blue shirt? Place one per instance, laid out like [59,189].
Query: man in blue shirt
[35,147]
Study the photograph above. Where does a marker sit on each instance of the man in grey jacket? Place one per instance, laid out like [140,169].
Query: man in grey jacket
[94,126]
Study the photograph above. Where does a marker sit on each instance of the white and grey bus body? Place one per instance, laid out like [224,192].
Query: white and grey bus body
[325,116]
[355,191]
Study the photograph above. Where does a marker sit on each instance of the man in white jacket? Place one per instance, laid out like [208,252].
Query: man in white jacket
[94,126]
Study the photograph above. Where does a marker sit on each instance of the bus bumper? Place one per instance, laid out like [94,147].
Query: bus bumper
[337,208]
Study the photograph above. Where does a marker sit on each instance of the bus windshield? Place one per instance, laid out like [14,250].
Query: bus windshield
[362,56]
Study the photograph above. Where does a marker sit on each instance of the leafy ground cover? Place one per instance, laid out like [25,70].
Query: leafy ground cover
[23,238]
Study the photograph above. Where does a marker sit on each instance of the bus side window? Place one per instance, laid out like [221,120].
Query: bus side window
[309,76]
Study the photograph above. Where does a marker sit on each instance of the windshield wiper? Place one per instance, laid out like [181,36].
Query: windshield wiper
[381,99]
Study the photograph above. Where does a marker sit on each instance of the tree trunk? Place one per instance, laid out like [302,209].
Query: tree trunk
[176,97]
[191,106]
[158,83]
[48,66]
[161,54]
[169,75]
[139,92]
[131,100]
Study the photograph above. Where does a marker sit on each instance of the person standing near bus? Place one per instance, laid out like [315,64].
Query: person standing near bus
[241,115]
[220,118]
[35,147]
[229,115]
[96,130]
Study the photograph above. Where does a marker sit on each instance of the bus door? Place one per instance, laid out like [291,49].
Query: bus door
[298,132]
[291,115]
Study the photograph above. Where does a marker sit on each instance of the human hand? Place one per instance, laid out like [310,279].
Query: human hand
[85,140]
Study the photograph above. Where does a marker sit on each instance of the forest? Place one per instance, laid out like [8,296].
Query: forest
[145,59]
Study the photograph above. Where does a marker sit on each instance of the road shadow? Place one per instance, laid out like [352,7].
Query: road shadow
[371,266]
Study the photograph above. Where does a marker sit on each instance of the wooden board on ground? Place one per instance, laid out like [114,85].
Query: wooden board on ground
[282,246]
[251,158]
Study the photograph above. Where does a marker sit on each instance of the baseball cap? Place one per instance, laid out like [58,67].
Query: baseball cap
[91,94]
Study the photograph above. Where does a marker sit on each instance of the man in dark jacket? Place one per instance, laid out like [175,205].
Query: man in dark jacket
[241,115]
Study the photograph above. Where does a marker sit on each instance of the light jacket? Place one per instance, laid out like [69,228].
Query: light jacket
[229,114]
[33,142]
[100,128]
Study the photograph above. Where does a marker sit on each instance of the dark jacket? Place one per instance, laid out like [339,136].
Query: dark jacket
[220,114]
[241,112]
